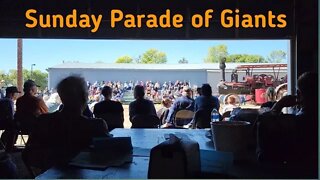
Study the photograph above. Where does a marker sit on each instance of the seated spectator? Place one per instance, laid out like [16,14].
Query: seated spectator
[231,104]
[302,126]
[162,113]
[108,106]
[183,102]
[29,107]
[271,98]
[59,136]
[96,99]
[8,137]
[206,100]
[140,106]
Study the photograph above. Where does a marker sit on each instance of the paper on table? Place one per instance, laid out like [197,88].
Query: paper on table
[106,152]
[99,161]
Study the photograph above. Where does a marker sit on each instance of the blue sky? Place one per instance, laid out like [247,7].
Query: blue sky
[47,52]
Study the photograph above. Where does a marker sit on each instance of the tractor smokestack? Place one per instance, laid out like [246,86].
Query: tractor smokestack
[222,66]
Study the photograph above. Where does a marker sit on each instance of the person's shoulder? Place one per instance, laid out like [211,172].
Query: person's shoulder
[47,116]
[99,104]
[5,100]
[35,98]
[20,99]
[117,103]
[149,101]
[132,103]
[214,98]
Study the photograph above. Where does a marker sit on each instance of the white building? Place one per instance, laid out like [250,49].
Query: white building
[196,74]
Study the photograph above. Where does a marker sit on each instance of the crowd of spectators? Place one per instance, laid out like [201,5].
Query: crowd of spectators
[155,91]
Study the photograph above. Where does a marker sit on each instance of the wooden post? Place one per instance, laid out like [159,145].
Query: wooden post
[19,65]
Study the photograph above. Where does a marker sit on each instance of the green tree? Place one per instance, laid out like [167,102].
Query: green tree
[245,58]
[183,61]
[216,53]
[41,78]
[153,56]
[124,59]
[277,56]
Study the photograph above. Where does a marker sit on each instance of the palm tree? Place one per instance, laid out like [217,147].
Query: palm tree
[19,65]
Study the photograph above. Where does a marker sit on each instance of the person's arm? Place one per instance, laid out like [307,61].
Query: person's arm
[171,112]
[43,109]
[121,112]
[196,104]
[286,101]
[153,109]
[95,110]
[131,111]
[217,102]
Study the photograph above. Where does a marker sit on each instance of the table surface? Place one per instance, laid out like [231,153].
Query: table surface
[141,138]
[145,139]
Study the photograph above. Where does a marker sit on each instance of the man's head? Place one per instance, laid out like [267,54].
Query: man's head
[30,87]
[186,91]
[199,91]
[138,92]
[231,100]
[12,92]
[107,92]
[206,90]
[308,88]
[73,93]
[166,102]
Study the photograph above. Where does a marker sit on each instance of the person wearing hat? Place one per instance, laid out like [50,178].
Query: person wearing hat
[29,106]
[184,102]
[8,137]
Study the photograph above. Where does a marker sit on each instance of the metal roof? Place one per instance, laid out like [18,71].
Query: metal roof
[202,66]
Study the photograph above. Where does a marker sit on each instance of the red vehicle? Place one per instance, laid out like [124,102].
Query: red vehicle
[254,81]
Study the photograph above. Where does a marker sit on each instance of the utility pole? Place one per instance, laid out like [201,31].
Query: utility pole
[19,65]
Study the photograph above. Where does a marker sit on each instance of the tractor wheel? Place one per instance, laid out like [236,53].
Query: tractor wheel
[281,90]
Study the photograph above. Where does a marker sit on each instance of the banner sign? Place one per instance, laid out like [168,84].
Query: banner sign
[147,19]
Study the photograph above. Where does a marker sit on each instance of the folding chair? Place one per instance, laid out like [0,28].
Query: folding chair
[183,116]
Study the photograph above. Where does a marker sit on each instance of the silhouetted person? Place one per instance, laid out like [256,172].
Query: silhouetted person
[141,106]
[29,106]
[111,111]
[8,137]
[206,100]
[302,127]
[59,136]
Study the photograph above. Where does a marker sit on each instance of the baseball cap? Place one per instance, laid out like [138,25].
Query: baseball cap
[12,89]
[29,84]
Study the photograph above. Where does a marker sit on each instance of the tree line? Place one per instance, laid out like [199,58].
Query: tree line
[10,78]
[215,54]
